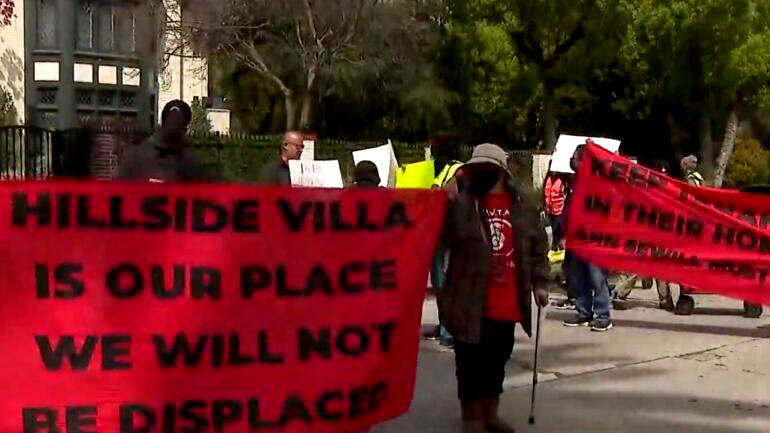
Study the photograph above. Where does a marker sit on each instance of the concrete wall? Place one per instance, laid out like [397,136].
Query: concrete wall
[12,59]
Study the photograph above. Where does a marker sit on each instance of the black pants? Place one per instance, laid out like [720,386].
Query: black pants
[557,231]
[481,367]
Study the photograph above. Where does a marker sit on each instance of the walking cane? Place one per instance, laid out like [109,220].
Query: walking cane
[534,370]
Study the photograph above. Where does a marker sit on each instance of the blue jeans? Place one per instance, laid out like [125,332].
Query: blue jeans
[437,280]
[592,293]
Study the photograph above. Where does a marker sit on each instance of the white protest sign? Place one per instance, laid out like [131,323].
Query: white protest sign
[308,151]
[384,157]
[566,146]
[320,174]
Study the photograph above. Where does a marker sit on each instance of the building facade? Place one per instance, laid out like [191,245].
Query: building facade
[70,63]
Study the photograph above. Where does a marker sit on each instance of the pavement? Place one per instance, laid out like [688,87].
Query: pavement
[653,373]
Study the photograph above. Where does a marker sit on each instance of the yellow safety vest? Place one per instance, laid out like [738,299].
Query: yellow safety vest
[447,174]
[695,177]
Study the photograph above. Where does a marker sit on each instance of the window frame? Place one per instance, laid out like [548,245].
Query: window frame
[119,11]
[39,14]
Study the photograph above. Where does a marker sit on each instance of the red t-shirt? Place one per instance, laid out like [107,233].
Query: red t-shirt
[502,301]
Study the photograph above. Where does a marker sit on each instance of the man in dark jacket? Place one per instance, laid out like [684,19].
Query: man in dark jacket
[592,291]
[276,172]
[497,258]
[163,157]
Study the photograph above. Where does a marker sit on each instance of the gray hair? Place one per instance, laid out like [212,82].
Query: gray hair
[690,162]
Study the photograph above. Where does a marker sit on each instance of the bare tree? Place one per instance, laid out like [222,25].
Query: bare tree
[291,43]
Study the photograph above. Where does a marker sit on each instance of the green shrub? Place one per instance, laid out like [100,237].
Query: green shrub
[200,123]
[240,158]
[750,164]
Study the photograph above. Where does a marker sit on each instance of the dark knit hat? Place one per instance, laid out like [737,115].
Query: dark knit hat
[175,105]
[366,174]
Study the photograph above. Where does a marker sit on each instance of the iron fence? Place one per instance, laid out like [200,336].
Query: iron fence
[28,152]
[25,153]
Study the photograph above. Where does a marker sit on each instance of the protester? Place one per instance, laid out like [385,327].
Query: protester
[497,258]
[276,172]
[163,157]
[366,175]
[692,176]
[444,148]
[569,185]
[689,165]
[592,292]
[555,192]
[624,289]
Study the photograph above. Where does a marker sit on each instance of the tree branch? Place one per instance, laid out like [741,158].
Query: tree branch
[253,59]
[312,26]
[521,41]
[570,42]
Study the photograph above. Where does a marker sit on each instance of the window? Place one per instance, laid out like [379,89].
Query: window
[106,28]
[126,28]
[46,23]
[85,17]
[115,27]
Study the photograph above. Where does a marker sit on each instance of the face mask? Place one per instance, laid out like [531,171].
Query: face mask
[482,182]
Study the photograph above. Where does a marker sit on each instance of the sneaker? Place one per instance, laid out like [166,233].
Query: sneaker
[601,325]
[566,304]
[667,305]
[434,336]
[447,342]
[577,322]
[619,304]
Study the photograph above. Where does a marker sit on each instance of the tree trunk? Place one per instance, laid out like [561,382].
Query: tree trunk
[308,101]
[549,116]
[706,144]
[728,144]
[291,111]
[308,110]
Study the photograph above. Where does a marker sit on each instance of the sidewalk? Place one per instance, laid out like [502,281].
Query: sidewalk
[653,373]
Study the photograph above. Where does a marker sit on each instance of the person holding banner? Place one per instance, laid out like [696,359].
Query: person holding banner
[689,166]
[624,289]
[163,157]
[592,291]
[276,172]
[497,259]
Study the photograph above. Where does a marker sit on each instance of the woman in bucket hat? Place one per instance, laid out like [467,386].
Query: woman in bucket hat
[497,260]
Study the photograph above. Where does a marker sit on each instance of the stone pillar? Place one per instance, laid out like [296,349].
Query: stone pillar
[66,32]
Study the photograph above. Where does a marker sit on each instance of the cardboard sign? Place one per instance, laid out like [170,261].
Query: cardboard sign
[566,146]
[624,216]
[169,308]
[384,157]
[417,175]
[308,151]
[319,174]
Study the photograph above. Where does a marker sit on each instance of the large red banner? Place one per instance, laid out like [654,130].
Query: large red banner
[625,217]
[172,308]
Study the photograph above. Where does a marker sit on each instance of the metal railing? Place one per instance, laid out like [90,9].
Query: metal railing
[25,153]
